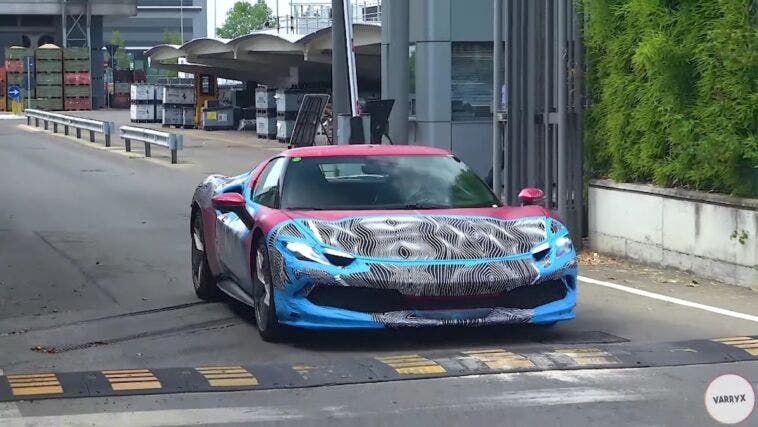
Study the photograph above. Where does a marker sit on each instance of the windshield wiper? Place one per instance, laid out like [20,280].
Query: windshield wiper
[304,208]
[425,206]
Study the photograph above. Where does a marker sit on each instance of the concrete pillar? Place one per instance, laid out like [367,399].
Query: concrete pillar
[340,90]
[395,65]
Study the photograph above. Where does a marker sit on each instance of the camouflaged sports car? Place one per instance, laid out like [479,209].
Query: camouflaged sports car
[376,236]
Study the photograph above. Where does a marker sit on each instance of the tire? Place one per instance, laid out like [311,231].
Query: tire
[202,277]
[263,296]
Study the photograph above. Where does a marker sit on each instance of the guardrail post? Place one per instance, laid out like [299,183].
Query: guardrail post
[78,133]
[128,144]
[175,143]
[147,149]
[65,130]
[92,136]
[28,121]
[55,127]
[36,122]
[107,129]
[45,124]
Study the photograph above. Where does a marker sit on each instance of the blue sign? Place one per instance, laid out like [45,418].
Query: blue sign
[14,92]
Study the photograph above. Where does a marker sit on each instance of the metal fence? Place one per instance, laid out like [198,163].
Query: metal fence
[540,104]
[307,17]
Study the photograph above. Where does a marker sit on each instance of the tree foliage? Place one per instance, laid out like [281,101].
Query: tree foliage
[244,18]
[171,37]
[120,58]
[674,91]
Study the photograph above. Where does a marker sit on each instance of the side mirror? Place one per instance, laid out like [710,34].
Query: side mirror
[531,196]
[228,202]
[233,202]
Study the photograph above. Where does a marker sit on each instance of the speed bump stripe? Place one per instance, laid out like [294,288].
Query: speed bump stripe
[412,364]
[589,356]
[500,359]
[748,344]
[132,379]
[34,384]
[227,376]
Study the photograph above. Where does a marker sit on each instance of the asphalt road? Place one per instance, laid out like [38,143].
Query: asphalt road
[94,275]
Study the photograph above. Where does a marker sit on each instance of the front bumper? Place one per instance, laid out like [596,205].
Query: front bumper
[299,311]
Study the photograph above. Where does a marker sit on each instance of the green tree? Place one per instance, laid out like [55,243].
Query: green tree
[171,37]
[244,18]
[121,60]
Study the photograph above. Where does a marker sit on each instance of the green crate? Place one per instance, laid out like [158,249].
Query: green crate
[76,53]
[76,65]
[18,52]
[48,66]
[48,53]
[50,79]
[18,79]
[76,91]
[50,91]
[50,104]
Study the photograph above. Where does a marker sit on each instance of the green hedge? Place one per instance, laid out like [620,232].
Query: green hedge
[674,92]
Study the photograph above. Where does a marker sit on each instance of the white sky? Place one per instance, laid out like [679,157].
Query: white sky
[222,6]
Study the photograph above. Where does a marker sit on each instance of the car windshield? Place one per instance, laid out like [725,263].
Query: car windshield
[382,182]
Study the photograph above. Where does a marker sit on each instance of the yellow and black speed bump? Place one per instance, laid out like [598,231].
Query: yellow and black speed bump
[376,368]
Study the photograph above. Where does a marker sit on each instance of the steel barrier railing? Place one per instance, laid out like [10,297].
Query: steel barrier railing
[78,123]
[151,137]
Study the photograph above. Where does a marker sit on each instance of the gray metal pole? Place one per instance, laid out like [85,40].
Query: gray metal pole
[63,23]
[497,74]
[548,103]
[396,66]
[579,126]
[530,100]
[89,44]
[340,97]
[507,141]
[563,170]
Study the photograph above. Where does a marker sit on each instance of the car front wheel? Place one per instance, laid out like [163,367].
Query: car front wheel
[202,278]
[263,296]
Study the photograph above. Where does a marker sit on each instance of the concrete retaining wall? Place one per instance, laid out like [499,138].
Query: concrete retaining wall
[712,235]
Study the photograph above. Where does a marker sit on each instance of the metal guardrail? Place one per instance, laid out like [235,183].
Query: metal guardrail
[78,123]
[151,137]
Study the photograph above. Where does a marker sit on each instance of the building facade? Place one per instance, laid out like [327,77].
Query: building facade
[188,18]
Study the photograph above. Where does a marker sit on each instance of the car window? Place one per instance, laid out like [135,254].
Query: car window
[383,182]
[266,190]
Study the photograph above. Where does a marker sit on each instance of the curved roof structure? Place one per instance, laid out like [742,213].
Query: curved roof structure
[268,57]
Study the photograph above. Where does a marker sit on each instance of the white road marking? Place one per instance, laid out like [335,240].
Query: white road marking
[672,300]
[167,417]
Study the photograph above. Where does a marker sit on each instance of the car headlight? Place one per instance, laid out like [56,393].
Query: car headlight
[305,252]
[563,245]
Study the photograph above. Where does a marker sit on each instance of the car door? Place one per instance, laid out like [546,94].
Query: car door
[232,234]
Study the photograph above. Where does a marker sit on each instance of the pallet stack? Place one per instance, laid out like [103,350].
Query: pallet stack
[265,107]
[16,72]
[76,79]
[121,89]
[142,109]
[49,77]
[178,106]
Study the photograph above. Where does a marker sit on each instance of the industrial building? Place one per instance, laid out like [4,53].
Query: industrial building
[65,23]
[188,18]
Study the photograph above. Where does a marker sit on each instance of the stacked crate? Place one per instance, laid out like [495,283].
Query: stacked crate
[3,88]
[49,77]
[287,106]
[16,72]
[178,106]
[77,79]
[265,110]
[121,88]
[142,109]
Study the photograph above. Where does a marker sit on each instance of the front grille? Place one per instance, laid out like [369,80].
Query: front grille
[370,300]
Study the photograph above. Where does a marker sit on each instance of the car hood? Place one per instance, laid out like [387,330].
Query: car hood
[463,234]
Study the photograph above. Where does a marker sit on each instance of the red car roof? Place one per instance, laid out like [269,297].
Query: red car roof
[365,150]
